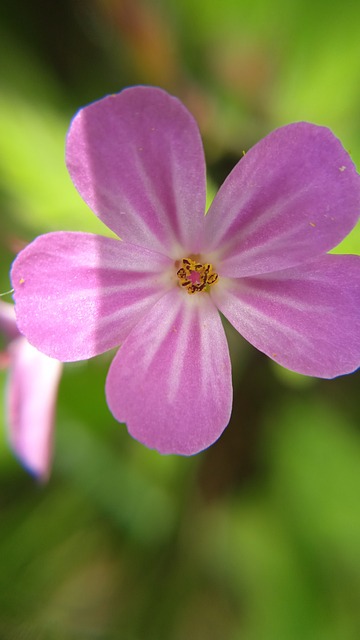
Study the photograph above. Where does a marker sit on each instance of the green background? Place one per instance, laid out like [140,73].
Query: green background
[257,538]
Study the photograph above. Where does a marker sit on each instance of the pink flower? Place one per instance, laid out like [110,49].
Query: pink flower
[31,396]
[259,257]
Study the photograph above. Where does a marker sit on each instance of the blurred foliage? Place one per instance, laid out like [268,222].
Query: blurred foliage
[258,537]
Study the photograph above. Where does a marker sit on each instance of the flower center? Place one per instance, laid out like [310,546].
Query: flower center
[195,276]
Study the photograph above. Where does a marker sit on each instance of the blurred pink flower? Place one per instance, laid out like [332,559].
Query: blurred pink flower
[31,396]
[259,256]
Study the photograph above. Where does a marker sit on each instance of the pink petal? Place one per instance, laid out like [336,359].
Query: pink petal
[8,326]
[78,295]
[171,380]
[32,392]
[305,318]
[4,360]
[293,196]
[137,160]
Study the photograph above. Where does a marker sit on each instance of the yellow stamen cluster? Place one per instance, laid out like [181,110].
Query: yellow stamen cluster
[195,276]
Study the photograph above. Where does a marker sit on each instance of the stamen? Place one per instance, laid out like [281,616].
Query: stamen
[7,293]
[195,276]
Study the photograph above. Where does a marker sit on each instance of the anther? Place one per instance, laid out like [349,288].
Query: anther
[195,276]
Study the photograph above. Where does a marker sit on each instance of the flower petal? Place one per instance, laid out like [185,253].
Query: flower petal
[32,392]
[294,195]
[137,160]
[78,295]
[171,380]
[8,326]
[306,318]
